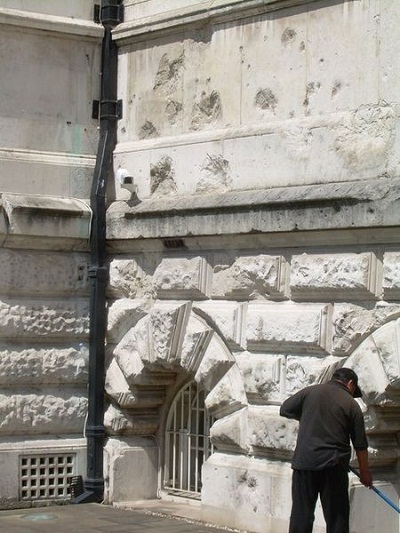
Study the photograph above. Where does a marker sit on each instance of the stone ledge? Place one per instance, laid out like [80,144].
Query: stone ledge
[52,23]
[44,221]
[349,205]
[220,11]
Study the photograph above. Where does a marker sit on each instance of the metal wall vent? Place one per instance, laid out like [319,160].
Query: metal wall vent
[46,477]
[174,243]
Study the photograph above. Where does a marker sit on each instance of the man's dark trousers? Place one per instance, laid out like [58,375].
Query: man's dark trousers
[332,486]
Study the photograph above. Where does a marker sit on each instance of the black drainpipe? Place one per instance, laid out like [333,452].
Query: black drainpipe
[109,111]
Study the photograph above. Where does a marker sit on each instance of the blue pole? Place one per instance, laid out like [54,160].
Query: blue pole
[378,492]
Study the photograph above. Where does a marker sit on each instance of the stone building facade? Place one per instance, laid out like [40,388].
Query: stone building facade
[252,239]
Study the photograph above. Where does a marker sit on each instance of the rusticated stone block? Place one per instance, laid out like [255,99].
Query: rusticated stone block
[268,430]
[391,275]
[228,395]
[135,346]
[36,366]
[376,360]
[185,277]
[123,314]
[227,317]
[249,277]
[261,376]
[43,273]
[168,325]
[216,362]
[118,422]
[197,338]
[351,323]
[302,371]
[334,276]
[230,432]
[53,411]
[283,326]
[50,318]
[132,278]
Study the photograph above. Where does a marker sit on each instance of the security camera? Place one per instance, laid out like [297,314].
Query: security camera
[126,180]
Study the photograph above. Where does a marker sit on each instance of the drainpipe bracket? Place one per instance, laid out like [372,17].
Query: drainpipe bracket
[100,273]
[110,109]
[110,13]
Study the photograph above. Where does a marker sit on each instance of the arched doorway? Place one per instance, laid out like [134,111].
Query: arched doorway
[187,442]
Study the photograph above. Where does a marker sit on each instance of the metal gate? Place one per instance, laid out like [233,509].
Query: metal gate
[187,442]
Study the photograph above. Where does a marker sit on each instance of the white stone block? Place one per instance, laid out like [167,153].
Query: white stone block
[32,366]
[391,275]
[334,276]
[262,376]
[182,277]
[132,278]
[168,326]
[278,48]
[230,433]
[248,493]
[386,342]
[48,220]
[118,422]
[52,411]
[269,431]
[43,273]
[351,323]
[123,314]
[250,277]
[133,350]
[302,371]
[228,394]
[131,465]
[43,318]
[215,364]
[285,326]
[227,317]
[197,339]
[337,60]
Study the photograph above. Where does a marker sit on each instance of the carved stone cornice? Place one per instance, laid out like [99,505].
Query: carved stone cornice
[334,206]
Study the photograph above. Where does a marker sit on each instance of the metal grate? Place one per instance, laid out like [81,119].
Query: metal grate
[187,442]
[46,477]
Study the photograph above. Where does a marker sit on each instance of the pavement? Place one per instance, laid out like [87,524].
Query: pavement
[94,517]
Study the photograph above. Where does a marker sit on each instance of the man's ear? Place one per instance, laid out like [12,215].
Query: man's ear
[350,385]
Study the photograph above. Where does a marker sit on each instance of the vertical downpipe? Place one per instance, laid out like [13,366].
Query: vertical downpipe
[98,270]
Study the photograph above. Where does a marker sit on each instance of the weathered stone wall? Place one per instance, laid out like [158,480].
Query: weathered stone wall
[259,249]
[44,323]
[49,76]
[252,327]
[243,95]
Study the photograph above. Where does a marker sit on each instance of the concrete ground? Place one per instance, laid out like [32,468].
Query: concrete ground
[91,517]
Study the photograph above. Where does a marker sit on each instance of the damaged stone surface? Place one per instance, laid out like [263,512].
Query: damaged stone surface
[259,254]
[304,208]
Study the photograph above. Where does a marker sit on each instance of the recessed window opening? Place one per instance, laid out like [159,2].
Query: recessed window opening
[187,442]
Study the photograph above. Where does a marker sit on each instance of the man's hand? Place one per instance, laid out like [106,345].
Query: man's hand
[365,474]
[366,477]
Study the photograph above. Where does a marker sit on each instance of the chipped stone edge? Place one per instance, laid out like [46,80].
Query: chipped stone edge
[207,11]
[347,205]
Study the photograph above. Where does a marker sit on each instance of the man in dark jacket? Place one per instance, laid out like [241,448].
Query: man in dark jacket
[329,419]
